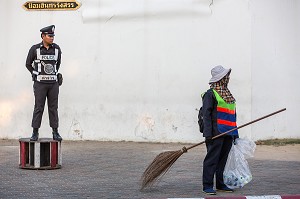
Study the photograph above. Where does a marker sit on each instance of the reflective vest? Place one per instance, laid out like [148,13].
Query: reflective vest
[45,66]
[226,115]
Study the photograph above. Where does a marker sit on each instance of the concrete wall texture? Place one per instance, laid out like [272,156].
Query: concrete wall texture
[134,70]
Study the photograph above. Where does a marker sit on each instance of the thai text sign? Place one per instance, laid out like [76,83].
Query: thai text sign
[51,5]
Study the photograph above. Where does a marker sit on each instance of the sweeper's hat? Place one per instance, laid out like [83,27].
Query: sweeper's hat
[217,73]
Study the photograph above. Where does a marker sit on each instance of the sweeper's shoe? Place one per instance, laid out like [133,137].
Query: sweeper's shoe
[35,136]
[209,191]
[225,189]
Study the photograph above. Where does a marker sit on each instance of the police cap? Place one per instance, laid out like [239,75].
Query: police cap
[49,30]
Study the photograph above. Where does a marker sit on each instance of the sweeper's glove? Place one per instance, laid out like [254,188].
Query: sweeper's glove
[234,137]
[209,140]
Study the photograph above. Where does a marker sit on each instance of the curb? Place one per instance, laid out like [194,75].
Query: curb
[249,197]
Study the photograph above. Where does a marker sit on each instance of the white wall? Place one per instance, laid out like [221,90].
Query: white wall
[275,67]
[134,70]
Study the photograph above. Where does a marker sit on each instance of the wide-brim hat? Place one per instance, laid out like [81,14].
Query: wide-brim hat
[217,73]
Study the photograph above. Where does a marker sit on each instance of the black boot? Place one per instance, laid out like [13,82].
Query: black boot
[35,135]
[56,135]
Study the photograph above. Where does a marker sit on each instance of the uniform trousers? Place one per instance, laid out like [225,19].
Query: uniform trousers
[43,91]
[215,161]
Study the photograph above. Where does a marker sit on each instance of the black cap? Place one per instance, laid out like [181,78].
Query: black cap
[49,30]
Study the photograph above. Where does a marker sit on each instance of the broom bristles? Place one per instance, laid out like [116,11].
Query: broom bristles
[160,166]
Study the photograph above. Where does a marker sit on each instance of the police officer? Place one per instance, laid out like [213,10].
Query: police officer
[43,61]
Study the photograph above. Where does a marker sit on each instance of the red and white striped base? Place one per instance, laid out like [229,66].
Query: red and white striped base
[250,197]
[42,154]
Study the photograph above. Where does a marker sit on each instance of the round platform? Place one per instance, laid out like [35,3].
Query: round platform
[45,153]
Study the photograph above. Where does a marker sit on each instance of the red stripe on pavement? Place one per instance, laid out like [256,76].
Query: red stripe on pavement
[290,196]
[297,196]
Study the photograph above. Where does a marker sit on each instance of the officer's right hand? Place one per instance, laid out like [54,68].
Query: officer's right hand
[33,77]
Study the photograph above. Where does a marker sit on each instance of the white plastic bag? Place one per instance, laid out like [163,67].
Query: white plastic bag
[247,147]
[237,172]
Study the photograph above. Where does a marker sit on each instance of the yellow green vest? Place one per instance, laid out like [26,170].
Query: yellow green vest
[226,115]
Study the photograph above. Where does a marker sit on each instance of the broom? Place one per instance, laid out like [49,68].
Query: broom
[163,162]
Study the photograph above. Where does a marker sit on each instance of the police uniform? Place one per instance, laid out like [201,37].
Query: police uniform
[43,64]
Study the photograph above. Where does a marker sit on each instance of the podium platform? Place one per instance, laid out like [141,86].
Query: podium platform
[45,153]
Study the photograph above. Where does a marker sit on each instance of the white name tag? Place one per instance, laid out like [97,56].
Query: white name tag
[46,77]
[48,57]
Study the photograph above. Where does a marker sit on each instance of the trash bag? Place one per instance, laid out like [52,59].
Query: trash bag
[237,172]
[247,147]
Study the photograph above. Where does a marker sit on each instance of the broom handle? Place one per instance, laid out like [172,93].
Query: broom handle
[239,127]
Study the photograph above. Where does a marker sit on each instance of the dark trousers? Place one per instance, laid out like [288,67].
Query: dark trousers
[215,161]
[41,92]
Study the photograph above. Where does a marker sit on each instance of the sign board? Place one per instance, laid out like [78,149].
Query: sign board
[51,5]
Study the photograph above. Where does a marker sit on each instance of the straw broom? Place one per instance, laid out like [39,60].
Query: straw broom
[163,161]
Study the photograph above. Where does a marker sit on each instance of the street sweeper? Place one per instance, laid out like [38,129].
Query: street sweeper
[219,116]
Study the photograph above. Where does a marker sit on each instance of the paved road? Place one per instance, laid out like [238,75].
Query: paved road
[112,170]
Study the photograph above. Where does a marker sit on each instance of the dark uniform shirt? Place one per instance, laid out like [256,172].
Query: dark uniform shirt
[51,51]
[210,114]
